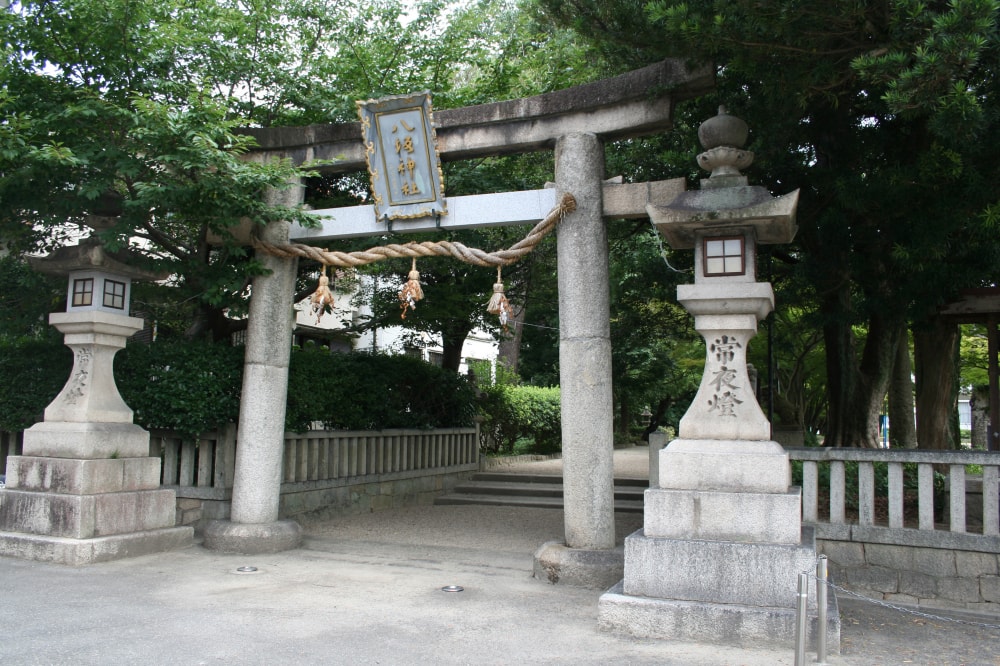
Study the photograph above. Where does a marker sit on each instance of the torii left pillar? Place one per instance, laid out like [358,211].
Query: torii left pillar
[253,526]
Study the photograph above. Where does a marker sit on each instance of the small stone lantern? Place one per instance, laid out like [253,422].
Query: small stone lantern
[97,325]
[86,488]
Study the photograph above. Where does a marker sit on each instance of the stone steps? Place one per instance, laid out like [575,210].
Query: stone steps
[531,490]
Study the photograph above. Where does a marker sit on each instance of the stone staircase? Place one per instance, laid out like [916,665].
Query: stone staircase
[533,490]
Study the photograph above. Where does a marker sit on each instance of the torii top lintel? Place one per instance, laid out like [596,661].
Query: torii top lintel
[633,104]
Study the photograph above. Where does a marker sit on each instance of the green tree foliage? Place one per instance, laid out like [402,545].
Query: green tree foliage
[648,328]
[26,299]
[975,357]
[109,121]
[884,115]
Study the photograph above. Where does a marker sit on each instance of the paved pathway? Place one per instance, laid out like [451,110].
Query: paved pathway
[631,463]
[366,589]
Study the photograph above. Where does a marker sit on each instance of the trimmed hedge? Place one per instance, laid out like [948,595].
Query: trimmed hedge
[188,386]
[514,412]
[372,392]
[194,387]
[32,373]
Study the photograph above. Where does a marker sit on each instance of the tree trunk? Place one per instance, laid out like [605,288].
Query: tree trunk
[839,340]
[902,431]
[210,322]
[452,341]
[979,404]
[509,351]
[857,391]
[935,353]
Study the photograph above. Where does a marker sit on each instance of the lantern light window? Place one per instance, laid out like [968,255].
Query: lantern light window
[83,292]
[114,294]
[724,256]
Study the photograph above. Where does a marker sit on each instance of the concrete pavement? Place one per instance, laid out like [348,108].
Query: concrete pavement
[367,589]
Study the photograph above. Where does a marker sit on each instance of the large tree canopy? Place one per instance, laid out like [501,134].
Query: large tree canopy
[884,114]
[110,118]
[122,117]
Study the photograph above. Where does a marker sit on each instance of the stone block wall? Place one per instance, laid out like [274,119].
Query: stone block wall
[189,512]
[912,575]
[331,498]
[391,492]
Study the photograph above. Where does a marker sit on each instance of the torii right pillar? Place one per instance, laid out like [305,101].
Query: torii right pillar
[722,542]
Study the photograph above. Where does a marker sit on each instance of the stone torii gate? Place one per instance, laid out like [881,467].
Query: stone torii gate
[575,123]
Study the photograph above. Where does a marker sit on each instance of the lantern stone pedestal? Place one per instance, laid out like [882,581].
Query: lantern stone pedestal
[722,544]
[86,489]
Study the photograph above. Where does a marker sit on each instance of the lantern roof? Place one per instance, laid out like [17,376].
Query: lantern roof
[90,255]
[725,201]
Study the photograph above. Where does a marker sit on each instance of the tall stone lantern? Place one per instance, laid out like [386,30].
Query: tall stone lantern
[85,488]
[722,542]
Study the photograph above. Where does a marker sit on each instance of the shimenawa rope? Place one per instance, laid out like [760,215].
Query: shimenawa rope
[458,251]
[411,291]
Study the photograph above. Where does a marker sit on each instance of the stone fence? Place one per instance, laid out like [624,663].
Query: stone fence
[929,536]
[339,471]
[336,470]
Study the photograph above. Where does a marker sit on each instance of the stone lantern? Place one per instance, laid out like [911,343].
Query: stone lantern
[722,542]
[723,223]
[85,488]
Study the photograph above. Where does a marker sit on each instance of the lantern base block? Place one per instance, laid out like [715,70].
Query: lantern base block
[67,439]
[77,552]
[720,552]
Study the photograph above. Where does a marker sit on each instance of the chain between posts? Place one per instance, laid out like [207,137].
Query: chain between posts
[901,609]
[477,257]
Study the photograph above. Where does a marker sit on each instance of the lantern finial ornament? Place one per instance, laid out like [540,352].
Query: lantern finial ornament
[723,137]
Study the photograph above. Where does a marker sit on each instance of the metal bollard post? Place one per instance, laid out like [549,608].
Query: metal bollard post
[801,616]
[821,601]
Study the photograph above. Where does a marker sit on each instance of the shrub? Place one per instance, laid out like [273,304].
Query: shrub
[538,414]
[368,392]
[511,413]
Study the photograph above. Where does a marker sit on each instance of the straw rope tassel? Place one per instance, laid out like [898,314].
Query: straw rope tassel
[322,297]
[499,305]
[411,291]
